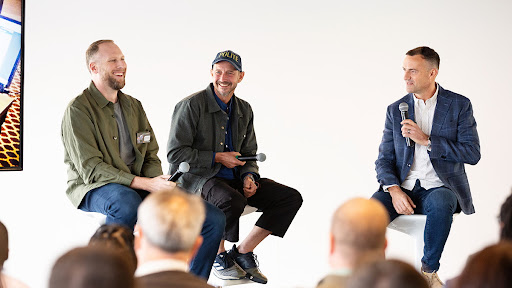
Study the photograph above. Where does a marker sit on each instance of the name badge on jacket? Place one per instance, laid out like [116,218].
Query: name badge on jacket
[143,137]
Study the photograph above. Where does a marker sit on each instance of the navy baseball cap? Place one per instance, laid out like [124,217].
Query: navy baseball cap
[231,57]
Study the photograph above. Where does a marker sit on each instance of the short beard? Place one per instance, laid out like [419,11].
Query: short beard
[115,84]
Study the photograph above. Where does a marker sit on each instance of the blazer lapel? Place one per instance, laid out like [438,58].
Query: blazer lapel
[442,107]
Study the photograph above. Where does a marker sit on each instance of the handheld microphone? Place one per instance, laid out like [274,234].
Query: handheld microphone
[183,168]
[404,108]
[258,157]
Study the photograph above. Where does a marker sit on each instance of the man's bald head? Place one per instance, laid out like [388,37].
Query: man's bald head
[361,225]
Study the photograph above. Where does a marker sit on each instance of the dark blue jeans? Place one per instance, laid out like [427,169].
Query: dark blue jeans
[120,204]
[438,204]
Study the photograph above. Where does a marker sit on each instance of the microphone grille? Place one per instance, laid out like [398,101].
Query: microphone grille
[184,167]
[261,157]
[403,107]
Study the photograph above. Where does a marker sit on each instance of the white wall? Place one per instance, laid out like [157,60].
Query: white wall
[319,75]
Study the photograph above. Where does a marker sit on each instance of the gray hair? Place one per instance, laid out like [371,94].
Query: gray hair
[171,221]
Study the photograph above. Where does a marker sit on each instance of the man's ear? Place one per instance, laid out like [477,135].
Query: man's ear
[332,243]
[137,233]
[242,74]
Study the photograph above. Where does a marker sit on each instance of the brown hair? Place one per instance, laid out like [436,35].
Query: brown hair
[91,267]
[490,267]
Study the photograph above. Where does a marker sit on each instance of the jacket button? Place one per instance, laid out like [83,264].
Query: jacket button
[409,165]
[222,127]
[221,143]
[115,137]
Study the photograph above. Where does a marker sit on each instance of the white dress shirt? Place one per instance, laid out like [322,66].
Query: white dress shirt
[421,167]
[157,266]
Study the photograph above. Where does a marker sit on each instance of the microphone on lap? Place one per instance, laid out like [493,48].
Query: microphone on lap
[183,168]
[258,157]
[404,108]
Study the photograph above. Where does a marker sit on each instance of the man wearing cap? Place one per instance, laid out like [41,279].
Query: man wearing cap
[111,152]
[209,130]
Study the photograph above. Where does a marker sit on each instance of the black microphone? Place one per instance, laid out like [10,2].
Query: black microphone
[183,168]
[404,108]
[258,157]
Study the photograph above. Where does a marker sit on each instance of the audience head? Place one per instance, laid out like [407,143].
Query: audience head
[506,219]
[116,237]
[387,274]
[491,267]
[170,222]
[4,245]
[358,233]
[92,267]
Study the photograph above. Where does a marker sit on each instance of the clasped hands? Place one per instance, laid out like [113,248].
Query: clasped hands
[229,160]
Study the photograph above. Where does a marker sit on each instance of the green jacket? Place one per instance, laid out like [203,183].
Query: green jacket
[197,131]
[90,136]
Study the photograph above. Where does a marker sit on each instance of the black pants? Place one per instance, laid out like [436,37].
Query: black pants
[279,204]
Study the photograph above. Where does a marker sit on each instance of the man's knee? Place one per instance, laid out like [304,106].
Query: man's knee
[123,205]
[295,199]
[442,199]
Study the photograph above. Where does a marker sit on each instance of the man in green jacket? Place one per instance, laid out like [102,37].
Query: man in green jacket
[209,130]
[111,152]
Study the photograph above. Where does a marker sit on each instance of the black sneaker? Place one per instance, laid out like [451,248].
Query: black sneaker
[226,269]
[249,264]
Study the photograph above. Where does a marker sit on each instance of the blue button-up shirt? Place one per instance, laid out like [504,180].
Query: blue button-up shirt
[225,172]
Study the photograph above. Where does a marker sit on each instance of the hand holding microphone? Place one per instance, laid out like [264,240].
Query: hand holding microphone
[410,130]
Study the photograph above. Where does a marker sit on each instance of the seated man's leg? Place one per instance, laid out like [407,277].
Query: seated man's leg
[386,200]
[218,192]
[438,204]
[279,204]
[213,229]
[117,201]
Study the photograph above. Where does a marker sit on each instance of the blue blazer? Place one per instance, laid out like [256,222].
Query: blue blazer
[454,142]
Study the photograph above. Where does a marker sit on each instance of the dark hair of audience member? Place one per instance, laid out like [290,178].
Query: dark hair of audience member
[491,267]
[387,274]
[4,248]
[116,237]
[506,219]
[92,267]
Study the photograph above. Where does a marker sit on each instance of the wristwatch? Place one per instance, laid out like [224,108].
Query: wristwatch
[429,144]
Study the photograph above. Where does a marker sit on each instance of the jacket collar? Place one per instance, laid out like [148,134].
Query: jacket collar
[442,107]
[214,107]
[101,100]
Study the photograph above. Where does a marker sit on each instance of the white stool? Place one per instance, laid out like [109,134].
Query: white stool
[97,217]
[216,282]
[414,226]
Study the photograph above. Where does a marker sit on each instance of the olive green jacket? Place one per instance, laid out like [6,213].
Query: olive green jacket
[198,130]
[91,142]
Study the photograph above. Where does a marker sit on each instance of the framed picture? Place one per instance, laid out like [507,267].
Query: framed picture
[11,84]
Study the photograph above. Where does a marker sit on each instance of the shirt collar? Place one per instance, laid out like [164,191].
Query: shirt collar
[100,99]
[222,105]
[341,272]
[430,101]
[157,266]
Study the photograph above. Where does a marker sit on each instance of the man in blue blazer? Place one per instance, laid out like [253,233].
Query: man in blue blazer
[427,176]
